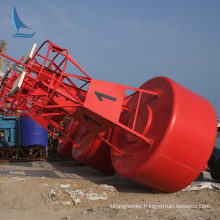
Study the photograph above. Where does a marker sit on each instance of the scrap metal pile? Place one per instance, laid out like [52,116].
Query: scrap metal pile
[160,135]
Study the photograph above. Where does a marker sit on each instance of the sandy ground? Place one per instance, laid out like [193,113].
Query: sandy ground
[66,190]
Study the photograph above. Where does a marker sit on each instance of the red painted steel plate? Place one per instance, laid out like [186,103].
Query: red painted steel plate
[105,99]
[102,106]
[182,126]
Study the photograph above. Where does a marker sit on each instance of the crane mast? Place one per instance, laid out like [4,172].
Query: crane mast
[3,49]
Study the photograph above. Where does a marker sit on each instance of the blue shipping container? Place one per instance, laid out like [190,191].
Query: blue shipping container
[9,131]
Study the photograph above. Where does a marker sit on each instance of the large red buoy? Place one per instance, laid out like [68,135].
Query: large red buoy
[161,135]
[182,127]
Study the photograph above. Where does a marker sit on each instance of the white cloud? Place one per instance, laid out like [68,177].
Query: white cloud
[111,41]
[69,26]
[83,12]
[129,25]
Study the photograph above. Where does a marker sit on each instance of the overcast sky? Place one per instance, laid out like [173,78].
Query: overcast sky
[127,41]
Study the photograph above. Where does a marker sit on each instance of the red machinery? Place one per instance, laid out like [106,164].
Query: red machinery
[161,135]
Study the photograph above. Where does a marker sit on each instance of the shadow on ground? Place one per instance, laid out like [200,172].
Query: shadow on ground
[71,169]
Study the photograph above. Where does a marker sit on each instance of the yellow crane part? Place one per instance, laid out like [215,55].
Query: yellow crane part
[3,49]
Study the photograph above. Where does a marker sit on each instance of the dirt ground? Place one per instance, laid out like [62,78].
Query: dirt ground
[67,190]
